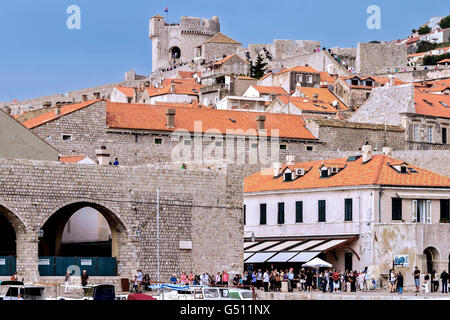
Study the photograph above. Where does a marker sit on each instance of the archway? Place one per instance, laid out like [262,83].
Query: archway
[11,227]
[59,238]
[175,53]
[431,256]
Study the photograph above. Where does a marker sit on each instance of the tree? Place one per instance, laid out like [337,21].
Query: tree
[257,70]
[433,60]
[413,31]
[445,23]
[424,30]
[425,46]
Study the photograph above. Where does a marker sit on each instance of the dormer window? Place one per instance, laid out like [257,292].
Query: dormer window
[288,176]
[324,172]
[369,83]
[403,169]
[355,82]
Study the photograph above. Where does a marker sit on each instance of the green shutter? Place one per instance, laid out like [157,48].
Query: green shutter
[281,213]
[348,209]
[396,209]
[299,212]
[262,213]
[322,213]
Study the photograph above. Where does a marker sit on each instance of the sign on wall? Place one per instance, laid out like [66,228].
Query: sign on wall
[86,262]
[401,260]
[2,262]
[44,262]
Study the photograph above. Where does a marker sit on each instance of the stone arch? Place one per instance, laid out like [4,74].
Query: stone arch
[174,53]
[12,228]
[431,257]
[53,225]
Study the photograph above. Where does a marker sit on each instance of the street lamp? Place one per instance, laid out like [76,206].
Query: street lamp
[40,233]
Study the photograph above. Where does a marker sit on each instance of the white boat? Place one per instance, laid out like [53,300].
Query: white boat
[10,290]
[178,292]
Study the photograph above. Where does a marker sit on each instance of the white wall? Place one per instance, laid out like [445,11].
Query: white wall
[118,96]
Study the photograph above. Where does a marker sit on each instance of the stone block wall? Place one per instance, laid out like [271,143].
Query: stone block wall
[373,58]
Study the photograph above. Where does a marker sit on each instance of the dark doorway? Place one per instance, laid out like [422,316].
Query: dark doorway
[7,238]
[175,53]
[429,257]
[348,261]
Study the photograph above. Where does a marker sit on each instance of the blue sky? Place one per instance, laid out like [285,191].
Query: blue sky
[39,55]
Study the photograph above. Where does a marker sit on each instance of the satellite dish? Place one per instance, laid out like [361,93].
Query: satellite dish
[334,103]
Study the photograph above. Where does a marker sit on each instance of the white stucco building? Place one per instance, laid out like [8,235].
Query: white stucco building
[357,212]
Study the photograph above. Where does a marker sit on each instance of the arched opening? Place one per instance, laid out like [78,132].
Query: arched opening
[10,228]
[431,255]
[81,229]
[175,53]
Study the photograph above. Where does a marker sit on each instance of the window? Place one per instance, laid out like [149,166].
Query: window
[288,176]
[263,213]
[355,82]
[445,210]
[324,173]
[129,100]
[158,141]
[309,79]
[430,134]
[187,142]
[299,212]
[444,135]
[348,209]
[396,209]
[299,78]
[421,211]
[416,132]
[281,213]
[67,137]
[245,213]
[322,213]
[309,148]
[283,147]
[254,145]
[218,143]
[369,84]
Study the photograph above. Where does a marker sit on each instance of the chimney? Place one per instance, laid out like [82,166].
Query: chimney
[47,104]
[387,151]
[261,120]
[170,116]
[277,169]
[84,97]
[315,97]
[290,160]
[96,95]
[366,153]
[391,80]
[102,156]
[58,110]
[172,87]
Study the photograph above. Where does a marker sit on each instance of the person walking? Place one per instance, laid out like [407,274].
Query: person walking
[259,279]
[416,275]
[353,277]
[254,279]
[266,281]
[434,282]
[426,283]
[67,279]
[392,280]
[191,278]
[399,283]
[309,280]
[302,277]
[347,281]
[366,280]
[218,279]
[444,279]
[290,277]
[225,277]
[84,279]
[361,281]
[138,278]
[336,277]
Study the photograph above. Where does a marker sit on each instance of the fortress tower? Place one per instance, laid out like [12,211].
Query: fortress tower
[179,42]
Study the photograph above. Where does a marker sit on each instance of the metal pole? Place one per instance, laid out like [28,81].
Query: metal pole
[157,238]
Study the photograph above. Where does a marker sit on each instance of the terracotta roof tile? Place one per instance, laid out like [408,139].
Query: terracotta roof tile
[306,104]
[221,38]
[375,172]
[299,69]
[436,105]
[182,86]
[71,159]
[51,115]
[145,117]
[324,95]
[128,91]
[270,90]
[222,61]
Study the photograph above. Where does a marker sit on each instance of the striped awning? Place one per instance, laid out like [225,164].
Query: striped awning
[288,250]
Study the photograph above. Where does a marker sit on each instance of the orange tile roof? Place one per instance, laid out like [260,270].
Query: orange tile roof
[432,104]
[445,61]
[375,172]
[145,117]
[50,116]
[325,95]
[222,61]
[71,159]
[182,86]
[193,104]
[128,91]
[266,75]
[270,90]
[299,69]
[188,74]
[326,77]
[306,104]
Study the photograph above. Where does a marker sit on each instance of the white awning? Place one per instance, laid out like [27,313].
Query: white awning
[284,245]
[307,245]
[328,245]
[247,255]
[304,256]
[262,246]
[282,257]
[260,257]
[249,244]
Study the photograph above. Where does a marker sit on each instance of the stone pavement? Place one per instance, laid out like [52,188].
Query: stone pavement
[359,295]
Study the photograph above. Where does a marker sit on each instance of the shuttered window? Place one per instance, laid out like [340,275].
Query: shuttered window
[322,213]
[348,209]
[263,213]
[281,213]
[299,212]
[396,209]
